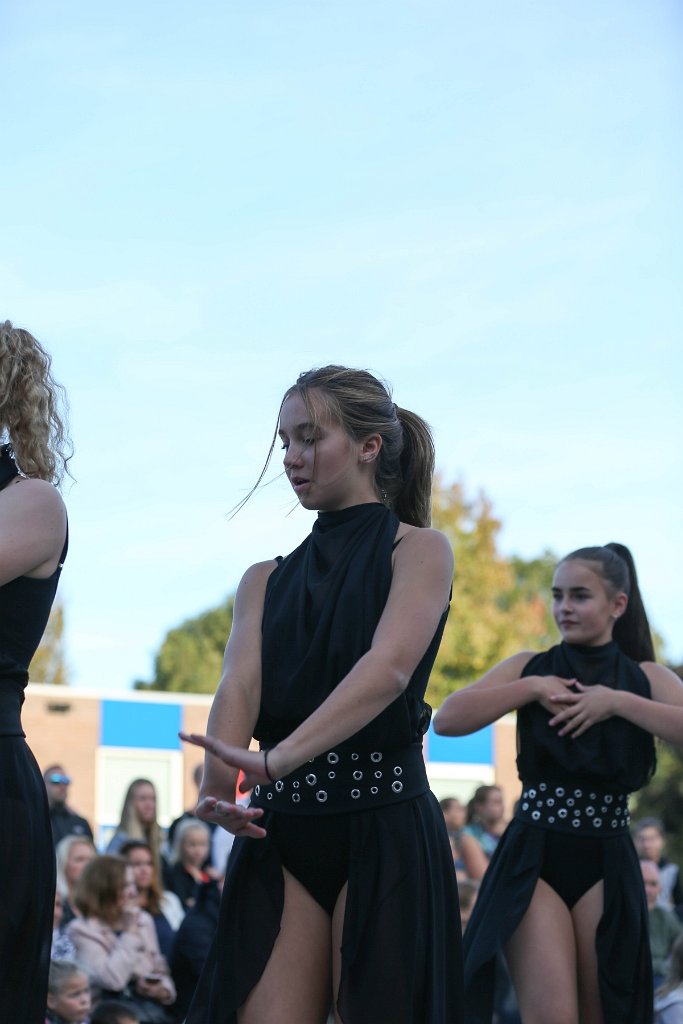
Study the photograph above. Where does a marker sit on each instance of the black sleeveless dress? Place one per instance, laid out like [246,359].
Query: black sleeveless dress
[27,863]
[401,955]
[576,789]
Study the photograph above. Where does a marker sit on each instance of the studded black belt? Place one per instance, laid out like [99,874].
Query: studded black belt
[566,807]
[347,780]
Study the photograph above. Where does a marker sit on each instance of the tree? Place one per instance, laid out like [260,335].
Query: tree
[191,655]
[498,604]
[49,662]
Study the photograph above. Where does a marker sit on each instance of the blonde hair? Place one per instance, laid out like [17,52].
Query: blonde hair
[30,402]
[131,826]
[62,854]
[182,829]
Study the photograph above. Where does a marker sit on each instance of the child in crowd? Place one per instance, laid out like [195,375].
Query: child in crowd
[111,1011]
[68,994]
[189,854]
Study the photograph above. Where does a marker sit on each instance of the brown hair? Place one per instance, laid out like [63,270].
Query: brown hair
[615,565]
[99,887]
[30,401]
[154,895]
[362,405]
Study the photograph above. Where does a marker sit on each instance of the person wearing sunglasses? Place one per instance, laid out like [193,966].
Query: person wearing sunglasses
[64,820]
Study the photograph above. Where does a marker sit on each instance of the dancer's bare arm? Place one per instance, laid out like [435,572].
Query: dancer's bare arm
[499,691]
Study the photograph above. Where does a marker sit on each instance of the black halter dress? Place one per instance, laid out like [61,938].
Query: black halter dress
[575,789]
[27,865]
[364,808]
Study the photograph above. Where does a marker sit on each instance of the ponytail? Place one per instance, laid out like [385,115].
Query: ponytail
[615,565]
[632,631]
[413,502]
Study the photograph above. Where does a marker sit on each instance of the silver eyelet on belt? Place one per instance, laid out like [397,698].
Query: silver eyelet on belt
[296,797]
[354,757]
[378,774]
[321,796]
[357,776]
[295,785]
[398,770]
[374,790]
[375,757]
[355,793]
[333,758]
[397,786]
[311,779]
[332,775]
[257,790]
[279,786]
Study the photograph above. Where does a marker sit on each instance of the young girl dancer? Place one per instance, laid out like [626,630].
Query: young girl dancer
[32,549]
[340,887]
[563,896]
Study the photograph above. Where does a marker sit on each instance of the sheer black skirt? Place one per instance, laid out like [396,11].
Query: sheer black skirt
[27,885]
[401,948]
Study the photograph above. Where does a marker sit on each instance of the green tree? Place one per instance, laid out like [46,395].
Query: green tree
[499,604]
[191,656]
[49,662]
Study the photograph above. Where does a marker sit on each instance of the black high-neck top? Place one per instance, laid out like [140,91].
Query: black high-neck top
[25,604]
[322,606]
[614,753]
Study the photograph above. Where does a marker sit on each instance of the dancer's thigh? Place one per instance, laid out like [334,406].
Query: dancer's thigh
[541,956]
[295,985]
[586,914]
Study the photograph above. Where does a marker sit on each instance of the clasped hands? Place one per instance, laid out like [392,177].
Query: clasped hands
[575,707]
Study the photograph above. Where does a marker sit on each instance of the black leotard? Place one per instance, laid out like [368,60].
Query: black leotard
[360,814]
[573,804]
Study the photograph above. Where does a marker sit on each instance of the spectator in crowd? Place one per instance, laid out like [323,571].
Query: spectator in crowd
[62,946]
[190,851]
[116,941]
[664,926]
[197,775]
[467,893]
[454,814]
[64,820]
[669,998]
[192,944]
[486,818]
[72,854]
[113,1011]
[649,837]
[163,905]
[139,821]
[68,994]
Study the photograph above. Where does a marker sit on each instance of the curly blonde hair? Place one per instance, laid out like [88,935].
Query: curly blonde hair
[30,401]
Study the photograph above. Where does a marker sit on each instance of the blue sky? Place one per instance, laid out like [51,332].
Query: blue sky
[481,202]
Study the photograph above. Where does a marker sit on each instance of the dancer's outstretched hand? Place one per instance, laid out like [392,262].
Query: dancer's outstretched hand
[235,818]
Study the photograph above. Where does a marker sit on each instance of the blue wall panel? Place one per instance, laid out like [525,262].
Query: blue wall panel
[137,724]
[474,749]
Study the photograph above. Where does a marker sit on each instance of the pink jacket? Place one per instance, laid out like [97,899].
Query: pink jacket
[113,960]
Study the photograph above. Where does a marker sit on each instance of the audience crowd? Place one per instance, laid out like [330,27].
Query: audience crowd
[134,924]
